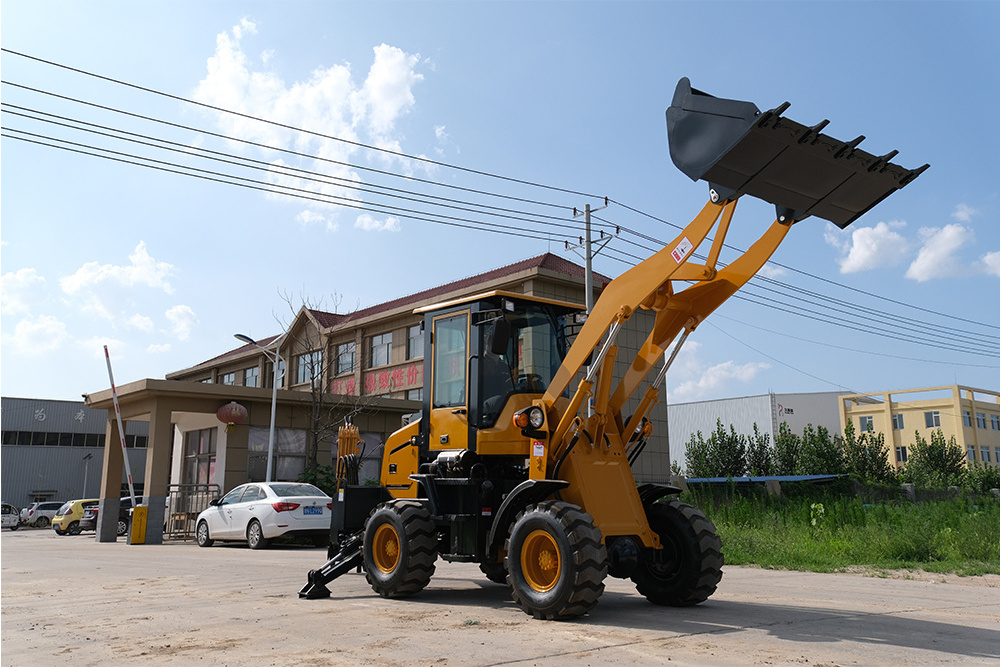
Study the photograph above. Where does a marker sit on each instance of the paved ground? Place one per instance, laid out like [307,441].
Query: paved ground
[72,601]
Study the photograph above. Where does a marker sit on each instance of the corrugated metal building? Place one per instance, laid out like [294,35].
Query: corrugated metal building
[54,450]
[767,411]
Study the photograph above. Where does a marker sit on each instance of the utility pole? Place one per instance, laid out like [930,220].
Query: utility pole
[586,244]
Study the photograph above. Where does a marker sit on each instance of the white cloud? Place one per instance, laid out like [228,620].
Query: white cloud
[143,270]
[716,378]
[370,223]
[387,93]
[964,213]
[34,337]
[95,347]
[158,349]
[329,101]
[937,257]
[770,270]
[182,321]
[991,263]
[869,247]
[19,290]
[307,218]
[140,322]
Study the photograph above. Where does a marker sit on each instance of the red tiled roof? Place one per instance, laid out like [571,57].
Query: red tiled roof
[548,261]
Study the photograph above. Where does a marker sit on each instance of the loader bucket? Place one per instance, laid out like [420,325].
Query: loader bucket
[740,150]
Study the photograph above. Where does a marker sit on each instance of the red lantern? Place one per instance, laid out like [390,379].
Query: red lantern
[232,414]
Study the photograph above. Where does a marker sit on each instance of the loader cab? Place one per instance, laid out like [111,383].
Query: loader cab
[485,354]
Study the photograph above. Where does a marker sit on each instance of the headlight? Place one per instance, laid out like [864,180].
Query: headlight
[532,417]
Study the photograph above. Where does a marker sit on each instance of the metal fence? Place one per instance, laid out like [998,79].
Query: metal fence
[184,504]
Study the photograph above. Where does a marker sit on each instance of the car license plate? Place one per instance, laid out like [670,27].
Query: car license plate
[312,510]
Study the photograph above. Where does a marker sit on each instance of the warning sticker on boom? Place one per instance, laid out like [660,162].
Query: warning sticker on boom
[682,250]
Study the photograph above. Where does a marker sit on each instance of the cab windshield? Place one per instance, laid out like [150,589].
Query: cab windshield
[535,350]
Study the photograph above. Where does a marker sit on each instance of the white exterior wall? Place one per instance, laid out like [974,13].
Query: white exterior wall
[768,411]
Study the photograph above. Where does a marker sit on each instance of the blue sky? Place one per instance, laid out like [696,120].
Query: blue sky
[165,268]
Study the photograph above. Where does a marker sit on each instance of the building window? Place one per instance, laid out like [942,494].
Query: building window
[250,377]
[901,454]
[415,394]
[415,343]
[984,452]
[897,423]
[996,450]
[967,418]
[381,350]
[199,456]
[981,419]
[932,419]
[289,454]
[867,424]
[996,423]
[345,358]
[309,367]
[281,374]
[971,453]
[227,378]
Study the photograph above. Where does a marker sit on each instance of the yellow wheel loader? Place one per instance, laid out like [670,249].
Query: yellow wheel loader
[521,459]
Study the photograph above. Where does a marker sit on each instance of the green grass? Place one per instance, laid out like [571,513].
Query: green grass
[958,535]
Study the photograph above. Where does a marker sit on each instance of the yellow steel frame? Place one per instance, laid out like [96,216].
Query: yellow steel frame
[597,467]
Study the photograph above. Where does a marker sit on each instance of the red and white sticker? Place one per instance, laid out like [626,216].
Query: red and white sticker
[538,449]
[682,250]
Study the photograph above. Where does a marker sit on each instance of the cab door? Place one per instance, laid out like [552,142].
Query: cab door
[449,399]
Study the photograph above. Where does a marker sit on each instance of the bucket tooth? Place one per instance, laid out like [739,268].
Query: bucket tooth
[740,151]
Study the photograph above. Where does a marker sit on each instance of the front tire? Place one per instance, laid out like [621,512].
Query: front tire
[255,536]
[122,527]
[15,526]
[400,547]
[43,522]
[73,528]
[202,535]
[555,561]
[689,567]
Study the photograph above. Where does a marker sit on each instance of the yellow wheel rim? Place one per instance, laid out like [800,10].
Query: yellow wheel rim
[385,548]
[540,562]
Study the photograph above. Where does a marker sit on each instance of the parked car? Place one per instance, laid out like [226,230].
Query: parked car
[40,514]
[67,518]
[89,520]
[261,511]
[10,517]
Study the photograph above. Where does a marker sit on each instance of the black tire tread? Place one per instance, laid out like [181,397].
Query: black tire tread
[421,536]
[590,562]
[698,585]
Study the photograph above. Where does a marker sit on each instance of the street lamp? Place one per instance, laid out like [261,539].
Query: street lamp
[275,361]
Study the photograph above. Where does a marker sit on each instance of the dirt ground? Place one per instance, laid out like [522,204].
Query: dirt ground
[73,601]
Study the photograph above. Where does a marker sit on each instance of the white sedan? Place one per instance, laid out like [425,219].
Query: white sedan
[261,511]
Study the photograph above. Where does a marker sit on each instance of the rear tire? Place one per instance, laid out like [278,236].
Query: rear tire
[15,526]
[122,527]
[555,561]
[400,547]
[201,534]
[495,572]
[689,567]
[255,536]
[43,522]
